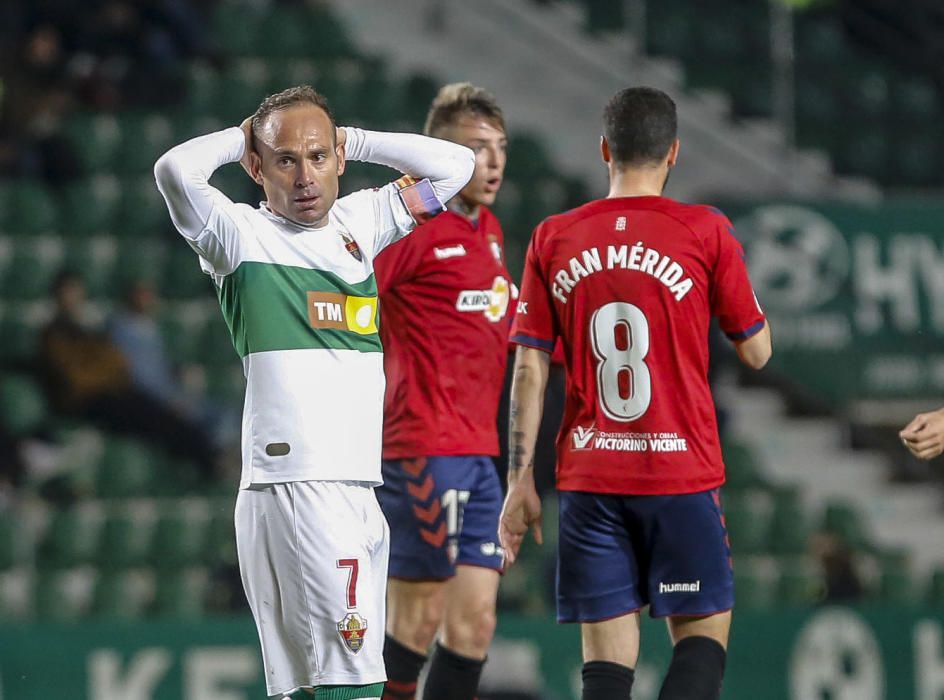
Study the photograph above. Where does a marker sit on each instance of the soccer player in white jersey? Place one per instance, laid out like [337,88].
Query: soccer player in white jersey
[296,285]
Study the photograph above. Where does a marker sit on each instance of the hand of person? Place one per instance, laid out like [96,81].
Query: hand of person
[924,435]
[522,510]
[246,126]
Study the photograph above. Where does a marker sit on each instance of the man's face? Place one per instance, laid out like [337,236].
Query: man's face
[489,144]
[299,163]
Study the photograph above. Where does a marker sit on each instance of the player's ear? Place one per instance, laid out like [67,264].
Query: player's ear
[255,167]
[605,149]
[673,153]
[342,161]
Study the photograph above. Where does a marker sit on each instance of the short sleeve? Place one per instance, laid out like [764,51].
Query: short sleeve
[732,297]
[398,263]
[535,324]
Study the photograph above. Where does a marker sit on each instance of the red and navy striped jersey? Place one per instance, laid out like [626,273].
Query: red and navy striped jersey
[629,285]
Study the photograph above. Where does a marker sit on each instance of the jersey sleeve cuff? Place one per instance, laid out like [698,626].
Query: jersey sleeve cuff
[532,342]
[746,333]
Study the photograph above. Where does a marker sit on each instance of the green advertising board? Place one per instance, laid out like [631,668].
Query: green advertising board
[854,293]
[791,654]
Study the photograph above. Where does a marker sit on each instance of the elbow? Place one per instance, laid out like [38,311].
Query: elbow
[465,165]
[758,360]
[164,170]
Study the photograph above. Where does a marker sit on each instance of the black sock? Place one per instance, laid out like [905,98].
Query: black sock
[604,679]
[696,670]
[403,669]
[452,677]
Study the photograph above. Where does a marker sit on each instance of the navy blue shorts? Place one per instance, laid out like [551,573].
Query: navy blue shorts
[618,554]
[442,511]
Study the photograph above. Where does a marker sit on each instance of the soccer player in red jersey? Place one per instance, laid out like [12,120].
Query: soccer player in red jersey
[629,284]
[445,297]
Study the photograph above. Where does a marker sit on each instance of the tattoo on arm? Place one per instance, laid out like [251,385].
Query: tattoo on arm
[516,452]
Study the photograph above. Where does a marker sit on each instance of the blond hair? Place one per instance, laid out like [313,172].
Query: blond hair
[458,100]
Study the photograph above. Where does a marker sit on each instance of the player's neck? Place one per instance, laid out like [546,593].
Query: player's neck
[637,182]
[463,208]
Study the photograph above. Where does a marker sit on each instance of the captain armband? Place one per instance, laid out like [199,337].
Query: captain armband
[419,198]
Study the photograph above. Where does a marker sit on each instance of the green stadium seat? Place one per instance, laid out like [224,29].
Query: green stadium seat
[820,44]
[183,277]
[742,469]
[936,588]
[915,157]
[126,539]
[181,594]
[789,525]
[34,209]
[62,596]
[747,516]
[19,328]
[915,100]
[96,259]
[753,586]
[221,533]
[122,595]
[141,210]
[896,583]
[23,408]
[72,538]
[129,468]
[842,519]
[143,139]
[142,259]
[180,538]
[225,380]
[90,205]
[182,328]
[240,89]
[35,262]
[11,540]
[94,138]
[798,584]
[237,28]
[216,343]
[670,31]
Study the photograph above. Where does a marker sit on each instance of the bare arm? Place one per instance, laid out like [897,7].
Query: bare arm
[756,350]
[522,508]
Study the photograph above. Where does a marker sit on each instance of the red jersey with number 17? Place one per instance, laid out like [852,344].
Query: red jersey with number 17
[630,285]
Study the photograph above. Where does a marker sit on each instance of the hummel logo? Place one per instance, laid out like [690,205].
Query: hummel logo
[582,437]
[449,252]
[691,587]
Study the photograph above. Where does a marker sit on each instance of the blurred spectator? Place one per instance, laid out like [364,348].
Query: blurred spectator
[135,330]
[88,377]
[837,560]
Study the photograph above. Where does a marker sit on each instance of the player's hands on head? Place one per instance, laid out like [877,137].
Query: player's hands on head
[521,511]
[341,136]
[924,435]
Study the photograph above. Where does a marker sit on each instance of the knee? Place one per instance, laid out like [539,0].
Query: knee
[469,630]
[414,620]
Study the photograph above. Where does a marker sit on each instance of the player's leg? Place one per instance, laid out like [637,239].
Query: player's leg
[598,585]
[473,503]
[698,656]
[691,583]
[412,500]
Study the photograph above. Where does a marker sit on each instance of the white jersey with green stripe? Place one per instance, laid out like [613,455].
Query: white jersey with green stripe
[301,302]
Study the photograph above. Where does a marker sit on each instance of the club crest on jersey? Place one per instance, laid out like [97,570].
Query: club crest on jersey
[350,245]
[353,629]
[492,302]
[495,247]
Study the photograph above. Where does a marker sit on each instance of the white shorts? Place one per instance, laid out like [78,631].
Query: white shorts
[313,558]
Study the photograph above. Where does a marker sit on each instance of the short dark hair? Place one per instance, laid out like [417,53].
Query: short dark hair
[640,125]
[300,94]
[460,99]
